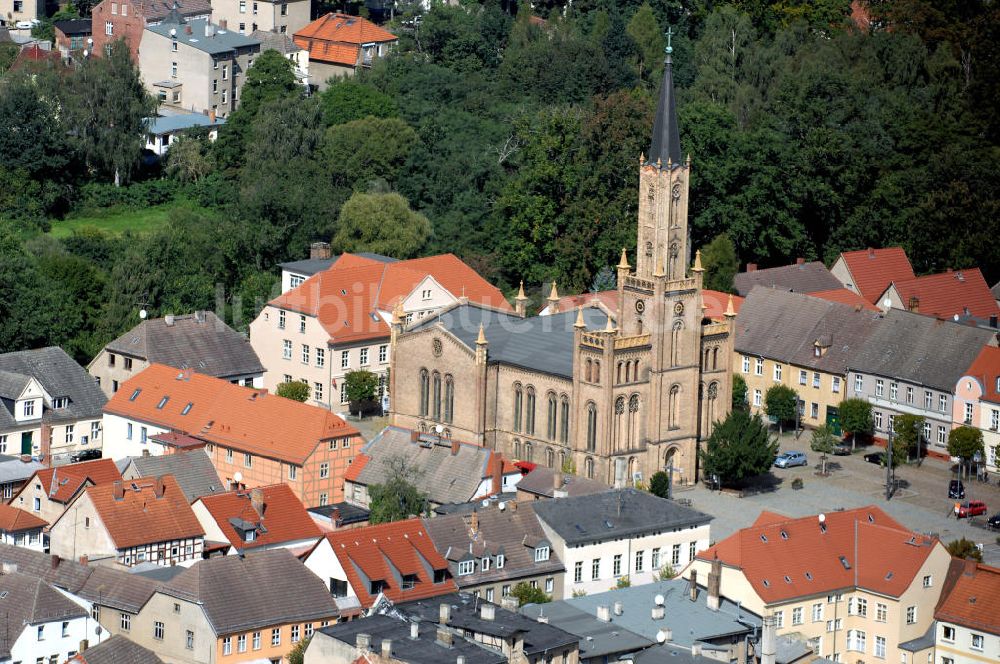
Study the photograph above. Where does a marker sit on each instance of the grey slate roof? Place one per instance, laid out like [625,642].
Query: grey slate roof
[311,266]
[221,41]
[801,278]
[541,482]
[199,341]
[423,650]
[666,141]
[921,349]
[444,477]
[27,600]
[12,469]
[786,326]
[497,532]
[348,513]
[927,640]
[118,650]
[671,654]
[539,343]
[597,638]
[615,514]
[157,10]
[231,589]
[59,375]
[276,41]
[192,469]
[79,26]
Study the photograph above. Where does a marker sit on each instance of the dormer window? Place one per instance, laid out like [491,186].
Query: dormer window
[408,582]
[541,554]
[376,587]
[250,535]
[135,394]
[484,564]
[29,408]
[60,402]
[163,402]
[187,408]
[466,567]
[500,561]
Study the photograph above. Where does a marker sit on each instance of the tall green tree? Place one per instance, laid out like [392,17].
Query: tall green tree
[908,430]
[645,32]
[397,497]
[360,152]
[525,593]
[718,257]
[739,448]
[823,441]
[348,99]
[295,390]
[739,393]
[965,549]
[781,402]
[965,442]
[381,223]
[856,418]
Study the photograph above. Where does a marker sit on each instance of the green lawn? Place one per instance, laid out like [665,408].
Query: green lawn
[118,220]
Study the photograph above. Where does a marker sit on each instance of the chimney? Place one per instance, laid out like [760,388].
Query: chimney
[160,487]
[444,637]
[871,253]
[658,612]
[209,29]
[118,490]
[454,447]
[768,640]
[145,452]
[460,659]
[508,603]
[696,649]
[444,614]
[714,582]
[223,24]
[257,500]
[914,304]
[54,560]
[693,585]
[604,613]
[488,611]
[335,516]
[363,641]
[84,644]
[414,631]
[512,506]
[619,608]
[211,116]
[557,480]
[84,559]
[187,29]
[199,316]
[474,522]
[414,435]
[387,648]
[751,267]
[8,568]
[168,320]
[319,250]
[800,261]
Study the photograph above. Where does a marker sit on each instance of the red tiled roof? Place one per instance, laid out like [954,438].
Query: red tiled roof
[284,519]
[354,471]
[873,269]
[140,516]
[786,558]
[971,596]
[845,296]
[986,369]
[608,298]
[944,295]
[235,417]
[15,520]
[338,38]
[717,301]
[348,297]
[62,482]
[384,551]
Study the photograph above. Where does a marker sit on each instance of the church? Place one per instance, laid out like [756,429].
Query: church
[616,390]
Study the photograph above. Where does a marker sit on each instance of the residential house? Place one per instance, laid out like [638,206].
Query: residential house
[855,584]
[284,17]
[40,623]
[262,518]
[272,40]
[340,44]
[868,272]
[145,520]
[232,609]
[624,534]
[196,65]
[396,561]
[544,482]
[253,438]
[949,294]
[339,320]
[161,132]
[801,277]
[804,343]
[446,471]
[49,491]
[492,549]
[911,364]
[14,472]
[126,19]
[293,273]
[200,341]
[193,471]
[339,515]
[49,406]
[967,630]
[73,36]
[13,11]
[977,402]
[387,636]
[520,639]
[20,528]
[116,650]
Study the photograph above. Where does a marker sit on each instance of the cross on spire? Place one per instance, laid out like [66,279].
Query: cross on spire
[669,33]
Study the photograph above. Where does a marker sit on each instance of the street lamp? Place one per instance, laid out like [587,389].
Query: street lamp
[888,467]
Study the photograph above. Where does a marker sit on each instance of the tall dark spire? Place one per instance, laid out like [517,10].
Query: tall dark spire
[666,141]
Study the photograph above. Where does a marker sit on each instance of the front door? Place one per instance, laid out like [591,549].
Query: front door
[833,420]
[26,442]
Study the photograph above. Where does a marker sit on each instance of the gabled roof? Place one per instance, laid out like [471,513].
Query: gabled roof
[873,269]
[845,296]
[235,417]
[920,349]
[199,341]
[386,552]
[26,601]
[608,298]
[192,469]
[157,10]
[951,293]
[59,376]
[281,519]
[16,520]
[337,38]
[310,266]
[859,548]
[348,297]
[971,596]
[445,477]
[541,482]
[116,650]
[62,483]
[218,40]
[799,277]
[144,511]
[240,593]
[616,514]
[80,26]
[789,327]
[986,369]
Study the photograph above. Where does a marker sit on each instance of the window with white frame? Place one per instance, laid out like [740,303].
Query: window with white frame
[318,391]
[276,636]
[364,357]
[928,581]
[95,430]
[859,382]
[759,369]
[803,376]
[343,392]
[578,572]
[777,373]
[797,615]
[816,380]
[295,633]
[757,397]
[69,433]
[879,387]
[345,359]
[942,436]
[968,413]
[286,349]
[281,320]
[746,364]
[640,559]
[927,430]
[911,615]
[835,385]
[928,400]
[994,419]
[858,606]
[383,354]
[675,555]
[541,554]
[878,420]
[292,472]
[256,640]
[893,390]
[466,567]
[779,619]
[942,403]
[856,640]
[320,357]
[595,569]
[977,642]
[909,395]
[880,647]
[305,354]
[654,559]
[616,565]
[109,28]
[126,623]
[324,470]
[241,643]
[817,612]
[834,625]
[881,612]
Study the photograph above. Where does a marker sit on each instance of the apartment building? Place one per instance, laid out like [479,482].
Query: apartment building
[977,402]
[968,617]
[49,491]
[246,16]
[112,20]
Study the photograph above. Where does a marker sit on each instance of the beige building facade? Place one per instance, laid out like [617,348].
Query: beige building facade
[246,16]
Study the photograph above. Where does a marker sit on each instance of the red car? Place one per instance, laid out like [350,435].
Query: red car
[970,508]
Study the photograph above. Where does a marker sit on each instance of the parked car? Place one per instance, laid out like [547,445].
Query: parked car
[27,25]
[876,457]
[993,523]
[969,509]
[956,490]
[842,449]
[86,455]
[789,459]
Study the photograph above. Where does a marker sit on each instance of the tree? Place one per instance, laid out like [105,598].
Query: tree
[645,32]
[296,390]
[965,549]
[659,484]
[739,448]
[397,497]
[718,257]
[525,593]
[381,223]
[298,652]
[360,152]
[348,99]
[823,441]
[186,160]
[965,442]
[739,393]
[604,280]
[361,387]
[856,417]
[908,430]
[781,403]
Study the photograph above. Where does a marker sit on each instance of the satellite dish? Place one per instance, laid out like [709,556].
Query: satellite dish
[143,313]
[956,318]
[237,476]
[439,429]
[658,600]
[661,636]
[97,630]
[822,518]
[501,506]
[173,31]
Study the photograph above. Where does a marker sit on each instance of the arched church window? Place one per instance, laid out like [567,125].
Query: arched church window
[518,398]
[588,466]
[553,413]
[437,396]
[449,399]
[591,427]
[564,421]
[424,392]
[529,416]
